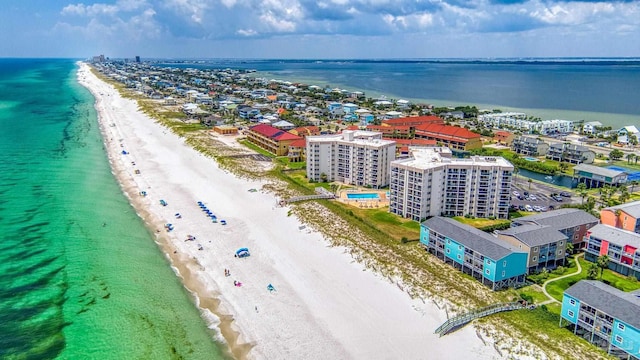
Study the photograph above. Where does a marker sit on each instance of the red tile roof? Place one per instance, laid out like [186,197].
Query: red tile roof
[353,127]
[265,130]
[418,142]
[286,136]
[415,120]
[298,143]
[446,131]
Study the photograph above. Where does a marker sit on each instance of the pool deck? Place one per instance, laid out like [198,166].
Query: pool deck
[382,200]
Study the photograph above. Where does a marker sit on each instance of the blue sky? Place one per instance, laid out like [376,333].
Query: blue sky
[320,28]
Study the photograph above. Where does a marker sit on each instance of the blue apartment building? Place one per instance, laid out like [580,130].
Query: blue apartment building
[604,316]
[495,263]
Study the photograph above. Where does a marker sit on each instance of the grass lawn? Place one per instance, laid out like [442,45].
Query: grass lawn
[284,160]
[256,148]
[614,279]
[479,223]
[388,223]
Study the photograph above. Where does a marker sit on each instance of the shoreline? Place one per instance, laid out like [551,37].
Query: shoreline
[326,304]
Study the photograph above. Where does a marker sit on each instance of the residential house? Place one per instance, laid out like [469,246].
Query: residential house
[403,145]
[305,131]
[393,132]
[504,137]
[604,316]
[621,246]
[493,262]
[623,216]
[247,112]
[573,223]
[529,146]
[226,129]
[571,153]
[545,246]
[431,182]
[591,127]
[626,133]
[273,140]
[358,157]
[297,150]
[283,125]
[414,121]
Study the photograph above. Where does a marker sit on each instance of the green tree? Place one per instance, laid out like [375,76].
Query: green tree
[630,157]
[569,248]
[582,191]
[602,263]
[616,154]
[592,271]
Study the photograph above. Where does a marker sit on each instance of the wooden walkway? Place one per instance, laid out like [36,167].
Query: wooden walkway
[461,320]
[321,193]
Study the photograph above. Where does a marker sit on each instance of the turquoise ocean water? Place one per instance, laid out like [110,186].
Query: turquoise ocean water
[80,276]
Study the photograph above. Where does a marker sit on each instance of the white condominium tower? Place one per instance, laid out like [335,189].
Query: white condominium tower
[432,183]
[354,157]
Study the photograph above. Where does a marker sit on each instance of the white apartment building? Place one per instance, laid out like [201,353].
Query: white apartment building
[518,121]
[357,157]
[431,183]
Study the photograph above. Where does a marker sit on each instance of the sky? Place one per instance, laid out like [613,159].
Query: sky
[320,29]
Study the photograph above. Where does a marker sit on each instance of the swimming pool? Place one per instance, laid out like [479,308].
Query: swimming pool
[634,175]
[528,158]
[363,196]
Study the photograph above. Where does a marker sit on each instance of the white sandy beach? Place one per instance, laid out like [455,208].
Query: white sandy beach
[326,305]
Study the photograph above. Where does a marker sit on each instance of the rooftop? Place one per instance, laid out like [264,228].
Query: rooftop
[598,170]
[632,208]
[471,237]
[534,235]
[428,158]
[615,236]
[559,219]
[619,304]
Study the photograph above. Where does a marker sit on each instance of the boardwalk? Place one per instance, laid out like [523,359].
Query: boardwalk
[321,193]
[461,320]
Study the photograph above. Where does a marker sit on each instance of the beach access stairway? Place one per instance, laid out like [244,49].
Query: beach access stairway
[321,193]
[461,320]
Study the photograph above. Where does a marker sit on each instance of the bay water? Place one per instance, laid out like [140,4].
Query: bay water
[80,275]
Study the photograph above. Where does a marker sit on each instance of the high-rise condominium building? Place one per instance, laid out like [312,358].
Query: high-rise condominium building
[354,157]
[432,183]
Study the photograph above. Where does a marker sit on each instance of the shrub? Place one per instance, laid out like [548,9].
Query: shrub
[404,240]
[527,298]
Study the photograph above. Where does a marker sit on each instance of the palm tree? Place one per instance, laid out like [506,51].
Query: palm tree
[592,271]
[569,248]
[629,157]
[529,181]
[582,191]
[634,182]
[602,263]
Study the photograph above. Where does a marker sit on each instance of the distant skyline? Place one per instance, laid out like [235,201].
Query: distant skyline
[320,29]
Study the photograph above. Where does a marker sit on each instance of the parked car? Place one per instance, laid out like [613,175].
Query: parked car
[557,198]
[526,193]
[533,197]
[521,208]
[528,207]
[520,197]
[516,193]
[565,194]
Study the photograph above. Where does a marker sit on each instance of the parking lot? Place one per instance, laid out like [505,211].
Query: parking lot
[539,196]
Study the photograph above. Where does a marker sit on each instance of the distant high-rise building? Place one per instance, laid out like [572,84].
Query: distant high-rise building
[137,59]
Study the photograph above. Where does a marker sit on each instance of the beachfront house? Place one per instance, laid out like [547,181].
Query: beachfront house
[627,133]
[529,146]
[494,263]
[623,216]
[545,246]
[573,223]
[354,157]
[595,176]
[604,316]
[271,139]
[621,246]
[591,127]
[571,153]
[431,182]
